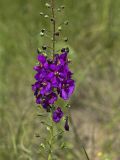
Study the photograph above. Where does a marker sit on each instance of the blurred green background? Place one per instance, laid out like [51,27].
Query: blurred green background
[94,39]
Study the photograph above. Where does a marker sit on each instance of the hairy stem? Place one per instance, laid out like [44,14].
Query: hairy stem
[54,23]
[51,140]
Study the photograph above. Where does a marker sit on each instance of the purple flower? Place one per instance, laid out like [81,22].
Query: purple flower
[66,88]
[61,59]
[57,115]
[51,98]
[45,87]
[46,100]
[41,58]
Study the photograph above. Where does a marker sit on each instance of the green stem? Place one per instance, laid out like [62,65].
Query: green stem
[54,23]
[51,140]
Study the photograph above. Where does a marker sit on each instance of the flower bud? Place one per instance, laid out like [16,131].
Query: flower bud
[62,6]
[66,124]
[59,28]
[67,50]
[65,39]
[41,13]
[63,50]
[46,16]
[44,47]
[52,19]
[42,30]
[42,145]
[41,34]
[66,22]
[59,10]
[47,5]
[48,128]
[39,51]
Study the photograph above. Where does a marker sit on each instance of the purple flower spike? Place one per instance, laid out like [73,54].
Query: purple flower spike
[57,115]
[53,79]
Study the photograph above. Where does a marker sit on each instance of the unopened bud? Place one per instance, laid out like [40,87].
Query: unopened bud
[66,124]
[41,13]
[42,30]
[44,47]
[39,51]
[62,6]
[46,16]
[59,28]
[47,5]
[65,39]
[66,22]
[52,19]
[67,49]
[59,10]
[63,50]
[41,34]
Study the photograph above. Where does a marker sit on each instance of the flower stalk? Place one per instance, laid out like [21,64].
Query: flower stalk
[53,81]
[51,140]
[54,23]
